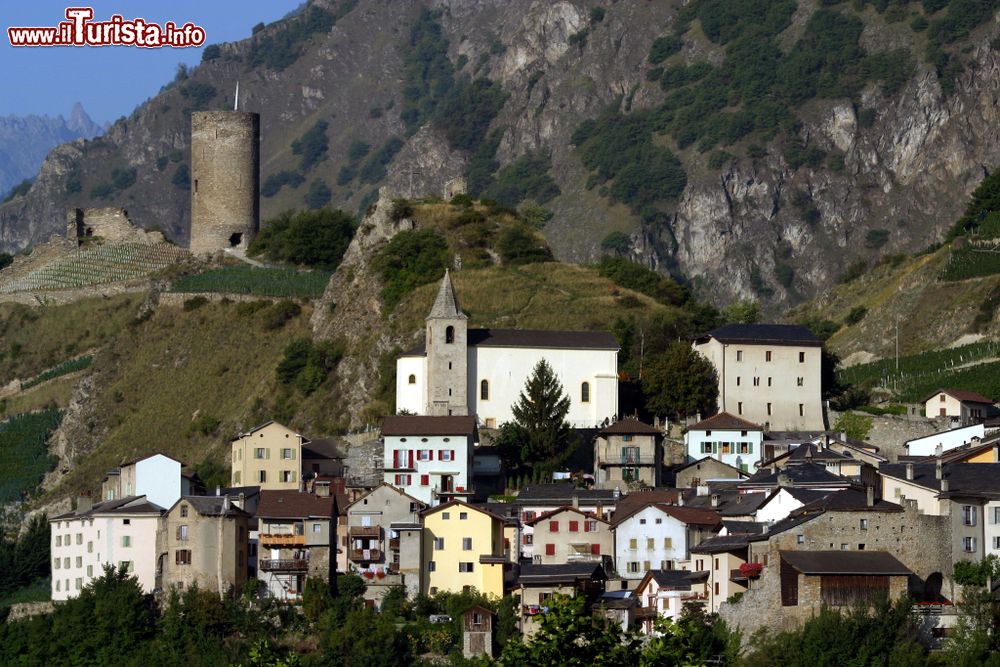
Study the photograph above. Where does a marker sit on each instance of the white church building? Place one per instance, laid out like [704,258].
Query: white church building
[482,372]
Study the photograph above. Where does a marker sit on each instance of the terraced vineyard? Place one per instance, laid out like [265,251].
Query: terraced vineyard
[97,266]
[279,282]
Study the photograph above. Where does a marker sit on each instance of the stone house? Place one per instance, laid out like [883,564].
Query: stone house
[268,456]
[538,583]
[204,541]
[430,457]
[729,439]
[463,549]
[663,594]
[567,535]
[659,537]
[295,536]
[322,457]
[767,373]
[628,452]
[961,406]
[701,471]
[811,580]
[802,476]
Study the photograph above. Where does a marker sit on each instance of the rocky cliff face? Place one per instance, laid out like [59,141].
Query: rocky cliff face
[753,228]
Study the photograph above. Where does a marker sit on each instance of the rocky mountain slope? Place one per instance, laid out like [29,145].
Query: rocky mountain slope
[26,140]
[757,148]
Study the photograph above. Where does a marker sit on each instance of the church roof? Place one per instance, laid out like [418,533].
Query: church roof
[446,303]
[533,338]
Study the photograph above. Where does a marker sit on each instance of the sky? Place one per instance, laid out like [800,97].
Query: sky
[110,81]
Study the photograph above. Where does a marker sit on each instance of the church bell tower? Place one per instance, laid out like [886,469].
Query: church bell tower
[447,354]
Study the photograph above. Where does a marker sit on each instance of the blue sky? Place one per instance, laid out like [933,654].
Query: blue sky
[111,81]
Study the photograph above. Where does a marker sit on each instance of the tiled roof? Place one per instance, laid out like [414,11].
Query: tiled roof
[743,527]
[816,453]
[460,503]
[963,478]
[293,505]
[851,500]
[725,422]
[637,499]
[730,502]
[761,334]
[561,573]
[403,425]
[845,562]
[803,474]
[126,505]
[962,395]
[630,426]
[213,506]
[713,461]
[672,579]
[691,516]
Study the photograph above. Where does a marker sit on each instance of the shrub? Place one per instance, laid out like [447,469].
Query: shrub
[718,158]
[525,177]
[596,14]
[579,38]
[309,238]
[277,315]
[194,303]
[122,179]
[274,182]
[465,114]
[21,189]
[856,315]
[24,456]
[199,94]
[411,259]
[401,208]
[784,273]
[283,45]
[211,52]
[374,168]
[663,48]
[101,191]
[519,245]
[306,364]
[630,275]
[854,425]
[462,200]
[876,238]
[318,195]
[204,423]
[358,150]
[854,271]
[312,146]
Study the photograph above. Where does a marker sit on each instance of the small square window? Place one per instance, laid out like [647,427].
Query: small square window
[462,516]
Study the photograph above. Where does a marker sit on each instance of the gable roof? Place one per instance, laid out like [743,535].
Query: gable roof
[129,505]
[743,527]
[803,474]
[561,573]
[851,500]
[963,478]
[403,425]
[845,563]
[274,504]
[671,580]
[730,502]
[556,340]
[691,516]
[637,499]
[565,508]
[562,493]
[722,544]
[211,506]
[446,302]
[392,488]
[961,395]
[761,334]
[725,422]
[630,426]
[461,503]
[264,425]
[322,448]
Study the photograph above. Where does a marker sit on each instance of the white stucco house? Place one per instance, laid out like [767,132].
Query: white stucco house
[659,537]
[937,443]
[961,406]
[464,371]
[727,438]
[120,532]
[429,457]
[158,477]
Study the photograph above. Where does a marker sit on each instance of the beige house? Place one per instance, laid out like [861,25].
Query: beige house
[268,456]
[722,558]
[628,452]
[700,472]
[569,535]
[204,541]
[767,373]
[963,407]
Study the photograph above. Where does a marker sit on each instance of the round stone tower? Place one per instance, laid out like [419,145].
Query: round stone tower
[225,180]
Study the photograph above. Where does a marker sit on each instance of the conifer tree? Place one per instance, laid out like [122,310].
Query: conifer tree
[540,415]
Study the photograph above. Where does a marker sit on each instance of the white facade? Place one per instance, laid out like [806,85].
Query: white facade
[83,545]
[428,466]
[650,539]
[741,449]
[777,507]
[158,477]
[956,437]
[991,528]
[506,370]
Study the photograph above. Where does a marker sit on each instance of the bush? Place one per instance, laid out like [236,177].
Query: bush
[526,177]
[519,245]
[663,48]
[122,179]
[853,272]
[101,191]
[312,146]
[618,242]
[205,424]
[596,14]
[199,94]
[357,150]
[856,315]
[306,365]
[411,259]
[280,313]
[630,275]
[374,168]
[283,45]
[876,238]
[211,52]
[318,195]
[465,114]
[308,238]
[401,208]
[854,425]
[21,189]
[274,182]
[194,303]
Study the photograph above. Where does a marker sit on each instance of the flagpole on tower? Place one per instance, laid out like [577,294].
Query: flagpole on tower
[236,101]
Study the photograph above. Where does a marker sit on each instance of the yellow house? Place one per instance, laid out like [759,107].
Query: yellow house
[463,549]
[268,456]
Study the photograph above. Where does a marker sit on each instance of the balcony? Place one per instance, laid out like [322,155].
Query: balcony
[288,565]
[394,544]
[634,460]
[645,613]
[364,531]
[365,555]
[282,540]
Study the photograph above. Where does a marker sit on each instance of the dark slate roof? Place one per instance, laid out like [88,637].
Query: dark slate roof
[760,334]
[404,425]
[962,395]
[213,506]
[725,422]
[535,338]
[562,493]
[731,502]
[293,505]
[816,453]
[806,496]
[845,562]
[804,474]
[851,500]
[630,426]
[963,478]
[126,505]
[723,544]
[673,579]
[237,490]
[322,448]
[561,573]
[743,527]
[796,518]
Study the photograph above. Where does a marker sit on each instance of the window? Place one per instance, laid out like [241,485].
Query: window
[863,524]
[800,382]
[756,382]
[968,515]
[58,540]
[574,526]
[717,583]
[90,571]
[650,543]
[126,565]
[57,563]
[260,453]
[633,566]
[79,538]
[431,566]
[996,515]
[590,526]
[288,453]
[706,448]
[645,565]
[739,355]
[585,392]
[446,454]
[449,335]
[182,557]
[438,544]
[425,480]
[802,357]
[715,565]
[942,398]
[633,544]
[466,544]
[182,533]
[529,539]
[802,409]
[627,437]
[412,379]
[184,511]
[550,549]
[66,563]
[491,422]
[465,567]
[402,480]
[317,528]
[553,526]
[236,477]
[800,539]
[58,584]
[996,544]
[595,549]
[769,409]
[424,454]
[746,448]
[768,382]
[262,476]
[462,516]
[126,541]
[484,390]
[843,547]
[767,355]
[668,543]
[737,380]
[287,476]
[125,522]
[658,521]
[739,407]
[79,583]
[445,516]
[642,522]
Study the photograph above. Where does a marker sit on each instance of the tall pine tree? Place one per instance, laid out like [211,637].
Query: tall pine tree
[540,436]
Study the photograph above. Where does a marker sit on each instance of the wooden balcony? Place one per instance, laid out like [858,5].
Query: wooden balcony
[365,555]
[364,531]
[394,544]
[284,565]
[282,540]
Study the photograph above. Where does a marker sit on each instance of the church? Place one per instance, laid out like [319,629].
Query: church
[481,372]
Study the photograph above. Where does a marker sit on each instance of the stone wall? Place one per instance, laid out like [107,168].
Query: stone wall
[890,432]
[109,224]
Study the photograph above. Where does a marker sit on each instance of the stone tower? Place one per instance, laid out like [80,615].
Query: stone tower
[225,180]
[447,354]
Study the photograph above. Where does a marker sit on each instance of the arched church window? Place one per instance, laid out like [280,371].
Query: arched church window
[412,379]
[585,392]
[484,390]
[449,335]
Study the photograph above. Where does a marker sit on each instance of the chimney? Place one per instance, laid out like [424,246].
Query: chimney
[784,480]
[939,449]
[944,486]
[909,471]
[680,500]
[322,490]
[715,500]
[826,439]
[84,502]
[774,468]
[218,490]
[870,496]
[576,501]
[938,469]
[843,436]
[617,494]
[600,510]
[809,453]
[225,504]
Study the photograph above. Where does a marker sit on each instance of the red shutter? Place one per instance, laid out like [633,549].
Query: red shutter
[409,463]
[425,480]
[550,550]
[595,549]
[553,526]
[453,455]
[431,453]
[524,539]
[395,458]
[586,526]
[574,526]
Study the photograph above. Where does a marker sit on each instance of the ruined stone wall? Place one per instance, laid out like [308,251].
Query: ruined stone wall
[110,224]
[890,432]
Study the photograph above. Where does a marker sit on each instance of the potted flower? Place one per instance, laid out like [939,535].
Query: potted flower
[380,574]
[368,574]
[751,570]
